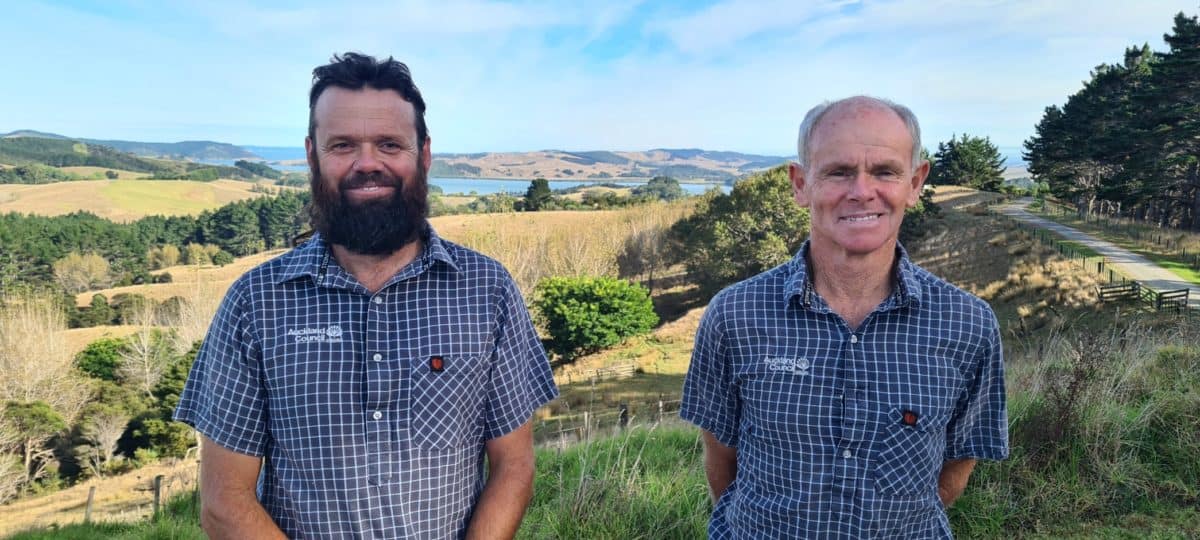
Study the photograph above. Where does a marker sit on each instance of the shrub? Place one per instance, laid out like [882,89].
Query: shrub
[586,314]
[101,358]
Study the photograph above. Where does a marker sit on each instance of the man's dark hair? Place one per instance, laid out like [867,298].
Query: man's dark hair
[353,71]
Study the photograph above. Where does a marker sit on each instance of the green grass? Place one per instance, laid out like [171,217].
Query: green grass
[160,196]
[646,483]
[1160,255]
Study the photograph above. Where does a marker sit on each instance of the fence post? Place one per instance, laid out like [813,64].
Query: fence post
[87,513]
[587,426]
[157,493]
[660,410]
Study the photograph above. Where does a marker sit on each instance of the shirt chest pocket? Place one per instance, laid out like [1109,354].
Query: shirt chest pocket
[448,395]
[911,452]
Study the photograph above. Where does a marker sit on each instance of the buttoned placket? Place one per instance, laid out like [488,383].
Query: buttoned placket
[855,409]
[381,390]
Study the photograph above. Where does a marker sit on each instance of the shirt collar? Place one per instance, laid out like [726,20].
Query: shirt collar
[313,258]
[799,282]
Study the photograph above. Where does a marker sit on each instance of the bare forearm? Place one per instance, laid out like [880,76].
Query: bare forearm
[952,481]
[237,519]
[502,503]
[720,466]
[719,478]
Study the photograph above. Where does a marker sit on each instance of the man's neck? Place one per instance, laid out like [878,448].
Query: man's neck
[374,271]
[852,285]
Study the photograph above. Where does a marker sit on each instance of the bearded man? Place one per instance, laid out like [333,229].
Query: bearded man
[353,386]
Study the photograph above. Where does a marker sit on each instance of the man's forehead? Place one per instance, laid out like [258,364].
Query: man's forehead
[365,112]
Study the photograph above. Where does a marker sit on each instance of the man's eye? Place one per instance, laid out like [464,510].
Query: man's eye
[339,146]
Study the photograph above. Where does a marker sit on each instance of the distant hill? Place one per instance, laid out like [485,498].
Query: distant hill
[684,164]
[19,151]
[189,150]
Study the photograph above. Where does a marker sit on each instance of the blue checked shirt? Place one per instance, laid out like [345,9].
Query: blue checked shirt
[371,410]
[842,433]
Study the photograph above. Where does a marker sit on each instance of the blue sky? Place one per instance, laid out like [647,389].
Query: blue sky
[581,75]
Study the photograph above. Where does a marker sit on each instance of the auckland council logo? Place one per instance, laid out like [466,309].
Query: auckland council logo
[797,366]
[331,334]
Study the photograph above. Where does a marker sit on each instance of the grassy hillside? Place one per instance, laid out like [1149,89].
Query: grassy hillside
[123,200]
[65,153]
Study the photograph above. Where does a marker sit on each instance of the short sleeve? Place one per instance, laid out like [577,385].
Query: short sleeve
[521,380]
[224,398]
[709,397]
[979,427]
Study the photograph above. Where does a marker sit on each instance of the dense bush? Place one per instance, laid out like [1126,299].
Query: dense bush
[586,314]
[732,237]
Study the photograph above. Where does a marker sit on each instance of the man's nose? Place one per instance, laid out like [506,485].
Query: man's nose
[860,187]
[367,160]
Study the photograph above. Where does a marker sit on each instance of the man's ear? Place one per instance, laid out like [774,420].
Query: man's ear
[799,182]
[427,154]
[309,148]
[918,183]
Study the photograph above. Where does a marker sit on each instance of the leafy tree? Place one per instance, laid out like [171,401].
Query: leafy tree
[77,273]
[969,161]
[586,314]
[733,236]
[102,358]
[660,187]
[538,196]
[195,254]
[111,174]
[35,423]
[222,258]
[1128,142]
[98,312]
[235,228]
[162,256]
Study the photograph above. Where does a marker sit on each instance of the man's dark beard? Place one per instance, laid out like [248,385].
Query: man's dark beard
[375,227]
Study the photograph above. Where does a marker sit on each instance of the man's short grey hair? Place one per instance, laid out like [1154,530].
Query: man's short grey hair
[814,116]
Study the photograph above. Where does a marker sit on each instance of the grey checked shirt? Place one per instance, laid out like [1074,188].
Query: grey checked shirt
[841,433]
[371,410]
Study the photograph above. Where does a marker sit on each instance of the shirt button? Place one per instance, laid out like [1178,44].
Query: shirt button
[377,299]
[853,338]
[845,453]
[377,357]
[377,415]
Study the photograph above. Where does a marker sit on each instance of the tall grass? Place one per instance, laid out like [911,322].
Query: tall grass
[1104,424]
[533,246]
[647,483]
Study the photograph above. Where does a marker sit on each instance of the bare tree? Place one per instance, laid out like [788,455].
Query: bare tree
[35,363]
[195,314]
[145,359]
[102,432]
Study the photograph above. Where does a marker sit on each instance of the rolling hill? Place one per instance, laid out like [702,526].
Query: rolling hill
[189,150]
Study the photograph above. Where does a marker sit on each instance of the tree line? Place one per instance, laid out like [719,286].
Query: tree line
[1128,142]
[30,245]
